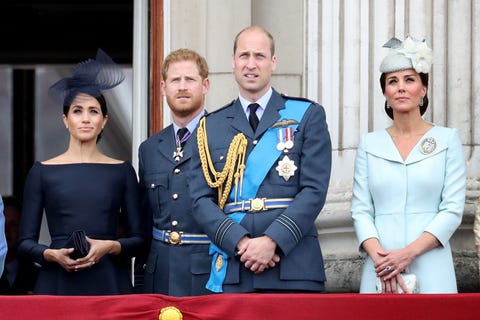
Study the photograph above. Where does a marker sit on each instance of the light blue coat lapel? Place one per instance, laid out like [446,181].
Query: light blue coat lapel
[380,144]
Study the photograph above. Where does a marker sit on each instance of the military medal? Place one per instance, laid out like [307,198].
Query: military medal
[284,139]
[180,140]
[280,140]
[219,262]
[286,168]
[177,154]
[428,145]
[289,138]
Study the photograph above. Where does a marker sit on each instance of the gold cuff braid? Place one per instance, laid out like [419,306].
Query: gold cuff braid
[234,164]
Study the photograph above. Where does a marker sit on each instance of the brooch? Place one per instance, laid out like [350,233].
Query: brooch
[428,145]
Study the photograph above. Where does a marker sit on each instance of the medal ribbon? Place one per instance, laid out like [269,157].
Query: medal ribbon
[181,140]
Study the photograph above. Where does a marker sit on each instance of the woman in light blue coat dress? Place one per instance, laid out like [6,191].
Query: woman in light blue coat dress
[409,184]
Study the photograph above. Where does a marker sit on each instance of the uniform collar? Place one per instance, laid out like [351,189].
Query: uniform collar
[263,101]
[192,125]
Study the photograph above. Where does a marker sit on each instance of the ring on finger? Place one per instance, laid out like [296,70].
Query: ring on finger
[388,268]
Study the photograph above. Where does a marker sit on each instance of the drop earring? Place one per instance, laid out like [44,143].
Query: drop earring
[421,102]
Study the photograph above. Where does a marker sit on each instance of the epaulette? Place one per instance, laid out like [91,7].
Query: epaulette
[221,108]
[284,96]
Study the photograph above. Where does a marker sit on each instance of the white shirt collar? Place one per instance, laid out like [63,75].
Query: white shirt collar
[263,101]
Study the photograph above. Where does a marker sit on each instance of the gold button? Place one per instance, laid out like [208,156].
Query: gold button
[177,170]
[174,223]
[175,196]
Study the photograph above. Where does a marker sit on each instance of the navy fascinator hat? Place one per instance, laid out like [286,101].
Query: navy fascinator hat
[90,77]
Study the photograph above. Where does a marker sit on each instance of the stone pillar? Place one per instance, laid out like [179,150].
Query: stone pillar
[476,231]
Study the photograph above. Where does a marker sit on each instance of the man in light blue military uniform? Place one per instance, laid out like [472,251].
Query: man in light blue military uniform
[261,179]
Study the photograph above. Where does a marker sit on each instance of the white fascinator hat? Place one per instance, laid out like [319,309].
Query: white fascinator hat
[411,53]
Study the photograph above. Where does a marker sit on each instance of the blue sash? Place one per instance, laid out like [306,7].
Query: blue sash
[259,162]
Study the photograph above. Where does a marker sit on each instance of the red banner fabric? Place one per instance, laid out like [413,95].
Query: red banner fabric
[242,307]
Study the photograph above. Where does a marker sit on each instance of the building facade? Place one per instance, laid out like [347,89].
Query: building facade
[329,51]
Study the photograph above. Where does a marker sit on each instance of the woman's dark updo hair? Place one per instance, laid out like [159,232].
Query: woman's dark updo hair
[423,77]
[103,107]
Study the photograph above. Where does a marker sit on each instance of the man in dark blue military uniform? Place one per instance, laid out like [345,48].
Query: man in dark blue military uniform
[178,263]
[261,179]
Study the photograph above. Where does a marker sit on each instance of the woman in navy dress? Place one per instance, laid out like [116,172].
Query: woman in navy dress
[83,189]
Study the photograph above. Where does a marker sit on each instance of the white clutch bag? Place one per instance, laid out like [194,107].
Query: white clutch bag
[410,281]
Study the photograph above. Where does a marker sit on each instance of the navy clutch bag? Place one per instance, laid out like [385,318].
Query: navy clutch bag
[78,241]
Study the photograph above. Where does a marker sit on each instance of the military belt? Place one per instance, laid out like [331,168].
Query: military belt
[257,205]
[179,237]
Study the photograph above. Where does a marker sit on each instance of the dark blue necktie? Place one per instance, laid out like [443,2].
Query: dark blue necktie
[252,117]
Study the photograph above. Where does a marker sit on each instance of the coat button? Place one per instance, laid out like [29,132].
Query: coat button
[175,196]
[174,223]
[255,142]
[176,171]
[152,185]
